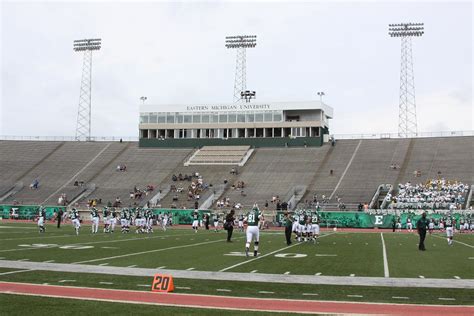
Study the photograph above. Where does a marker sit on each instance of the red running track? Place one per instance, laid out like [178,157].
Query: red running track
[225,302]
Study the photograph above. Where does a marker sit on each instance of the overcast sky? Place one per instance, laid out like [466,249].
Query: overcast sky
[174,53]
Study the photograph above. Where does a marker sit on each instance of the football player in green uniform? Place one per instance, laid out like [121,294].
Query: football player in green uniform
[253,234]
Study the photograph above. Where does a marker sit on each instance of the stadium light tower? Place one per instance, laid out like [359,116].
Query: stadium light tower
[83,127]
[143,99]
[407,124]
[241,43]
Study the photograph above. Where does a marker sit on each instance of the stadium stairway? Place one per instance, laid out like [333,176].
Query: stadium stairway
[55,170]
[17,159]
[87,175]
[145,166]
[275,172]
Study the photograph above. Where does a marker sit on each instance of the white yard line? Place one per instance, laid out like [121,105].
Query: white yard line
[456,241]
[150,251]
[266,255]
[16,271]
[345,170]
[385,261]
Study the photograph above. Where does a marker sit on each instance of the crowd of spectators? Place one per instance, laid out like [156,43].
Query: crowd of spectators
[434,194]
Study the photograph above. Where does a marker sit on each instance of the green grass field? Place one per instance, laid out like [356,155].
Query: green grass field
[335,254]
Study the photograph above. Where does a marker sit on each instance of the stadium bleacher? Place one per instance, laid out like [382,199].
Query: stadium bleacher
[268,172]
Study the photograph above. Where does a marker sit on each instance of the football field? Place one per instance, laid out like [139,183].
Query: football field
[379,266]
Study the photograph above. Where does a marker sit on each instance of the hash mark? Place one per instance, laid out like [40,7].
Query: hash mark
[312,294]
[190,269]
[446,299]
[143,285]
[183,287]
[401,297]
[106,283]
[266,292]
[319,273]
[64,281]
[355,295]
[287,272]
[421,276]
[162,267]
[456,277]
[103,264]
[223,290]
[352,275]
[132,266]
[253,271]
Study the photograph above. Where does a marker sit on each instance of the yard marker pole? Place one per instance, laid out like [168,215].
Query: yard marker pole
[385,261]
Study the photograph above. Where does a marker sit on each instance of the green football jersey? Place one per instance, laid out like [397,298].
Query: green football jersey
[253,217]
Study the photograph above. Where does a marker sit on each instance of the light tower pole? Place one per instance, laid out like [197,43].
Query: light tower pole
[407,123]
[241,43]
[83,127]
[321,94]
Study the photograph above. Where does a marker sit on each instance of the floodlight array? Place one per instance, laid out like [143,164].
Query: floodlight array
[87,44]
[406,29]
[246,41]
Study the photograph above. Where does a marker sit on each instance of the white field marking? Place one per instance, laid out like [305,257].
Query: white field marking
[109,247]
[16,271]
[48,261]
[183,287]
[401,297]
[45,283]
[266,255]
[354,295]
[24,260]
[456,277]
[471,258]
[459,242]
[310,294]
[287,272]
[385,260]
[253,271]
[352,275]
[132,266]
[446,299]
[223,290]
[144,285]
[319,273]
[266,292]
[421,276]
[77,174]
[64,281]
[2,258]
[80,243]
[106,283]
[345,170]
[190,269]
[350,243]
[103,264]
[149,251]
[324,255]
[162,267]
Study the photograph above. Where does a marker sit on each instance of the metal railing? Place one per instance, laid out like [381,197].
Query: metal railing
[395,135]
[70,138]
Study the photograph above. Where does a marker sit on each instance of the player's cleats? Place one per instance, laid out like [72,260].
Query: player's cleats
[255,253]
[247,252]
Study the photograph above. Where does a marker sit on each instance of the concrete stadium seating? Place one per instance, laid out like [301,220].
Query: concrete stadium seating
[268,172]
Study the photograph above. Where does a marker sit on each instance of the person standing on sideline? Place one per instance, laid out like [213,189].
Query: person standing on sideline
[60,217]
[229,225]
[421,226]
[288,228]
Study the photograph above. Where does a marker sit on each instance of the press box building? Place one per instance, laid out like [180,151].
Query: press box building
[267,124]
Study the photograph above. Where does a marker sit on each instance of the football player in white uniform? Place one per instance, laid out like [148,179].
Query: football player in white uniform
[75,220]
[41,219]
[195,221]
[95,220]
[315,225]
[215,218]
[409,225]
[449,230]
